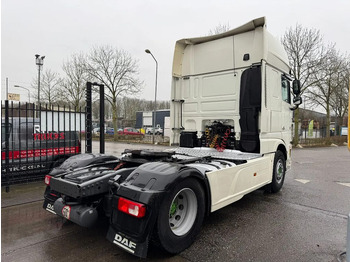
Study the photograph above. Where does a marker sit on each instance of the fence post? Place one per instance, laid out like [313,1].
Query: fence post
[102,118]
[88,122]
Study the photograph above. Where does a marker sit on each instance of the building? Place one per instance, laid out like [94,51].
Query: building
[319,123]
[145,118]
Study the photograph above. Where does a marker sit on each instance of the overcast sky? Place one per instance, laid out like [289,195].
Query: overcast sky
[58,29]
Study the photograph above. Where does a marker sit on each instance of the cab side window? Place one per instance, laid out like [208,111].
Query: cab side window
[285,84]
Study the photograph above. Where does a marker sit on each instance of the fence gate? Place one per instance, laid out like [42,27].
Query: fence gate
[34,139]
[37,138]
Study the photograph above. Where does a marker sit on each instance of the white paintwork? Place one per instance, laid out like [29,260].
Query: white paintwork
[231,184]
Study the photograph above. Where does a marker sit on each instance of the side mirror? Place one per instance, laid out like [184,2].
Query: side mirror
[297,101]
[296,87]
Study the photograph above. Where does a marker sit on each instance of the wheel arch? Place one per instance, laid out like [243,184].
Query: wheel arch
[203,181]
[283,149]
[164,177]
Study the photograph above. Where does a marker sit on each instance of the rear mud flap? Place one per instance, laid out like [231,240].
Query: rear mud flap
[138,249]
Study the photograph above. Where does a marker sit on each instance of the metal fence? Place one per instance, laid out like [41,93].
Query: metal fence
[34,139]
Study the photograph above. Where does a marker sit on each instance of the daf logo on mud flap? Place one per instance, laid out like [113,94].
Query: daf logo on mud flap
[50,208]
[124,243]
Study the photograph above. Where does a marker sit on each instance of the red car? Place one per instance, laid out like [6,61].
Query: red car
[129,131]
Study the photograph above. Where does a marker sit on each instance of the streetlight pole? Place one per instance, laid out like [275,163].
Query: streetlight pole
[155,96]
[24,88]
[39,62]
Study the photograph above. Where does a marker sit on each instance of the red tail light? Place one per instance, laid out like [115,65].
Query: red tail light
[47,180]
[132,208]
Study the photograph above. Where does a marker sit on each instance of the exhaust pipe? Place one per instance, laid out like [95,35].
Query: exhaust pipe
[82,215]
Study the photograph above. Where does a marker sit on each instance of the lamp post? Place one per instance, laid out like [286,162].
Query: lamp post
[155,95]
[39,61]
[24,88]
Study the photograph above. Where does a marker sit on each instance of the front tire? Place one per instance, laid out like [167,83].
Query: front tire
[279,172]
[181,216]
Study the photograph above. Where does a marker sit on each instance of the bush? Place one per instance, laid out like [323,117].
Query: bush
[337,140]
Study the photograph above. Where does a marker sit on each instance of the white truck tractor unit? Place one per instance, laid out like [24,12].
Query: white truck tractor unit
[231,118]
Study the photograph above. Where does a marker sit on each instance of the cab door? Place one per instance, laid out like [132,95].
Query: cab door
[287,113]
[276,113]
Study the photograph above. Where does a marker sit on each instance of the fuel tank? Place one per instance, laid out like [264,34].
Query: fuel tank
[82,215]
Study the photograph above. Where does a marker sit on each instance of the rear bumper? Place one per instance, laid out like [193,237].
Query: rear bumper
[80,214]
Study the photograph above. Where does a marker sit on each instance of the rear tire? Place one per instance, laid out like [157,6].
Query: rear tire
[181,216]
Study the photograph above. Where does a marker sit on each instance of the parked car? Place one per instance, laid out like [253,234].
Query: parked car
[158,130]
[129,131]
[110,131]
[96,131]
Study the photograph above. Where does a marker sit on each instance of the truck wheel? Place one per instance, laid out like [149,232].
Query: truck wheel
[180,216]
[279,172]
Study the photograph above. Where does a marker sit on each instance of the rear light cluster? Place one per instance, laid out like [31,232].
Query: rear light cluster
[132,208]
[47,180]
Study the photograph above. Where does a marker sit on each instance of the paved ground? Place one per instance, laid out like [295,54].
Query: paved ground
[306,221]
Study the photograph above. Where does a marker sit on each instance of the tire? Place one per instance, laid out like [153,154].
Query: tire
[181,216]
[279,172]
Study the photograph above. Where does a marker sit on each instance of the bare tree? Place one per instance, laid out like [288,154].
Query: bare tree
[74,84]
[50,83]
[221,28]
[339,100]
[96,110]
[163,105]
[305,52]
[129,106]
[116,70]
[327,80]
